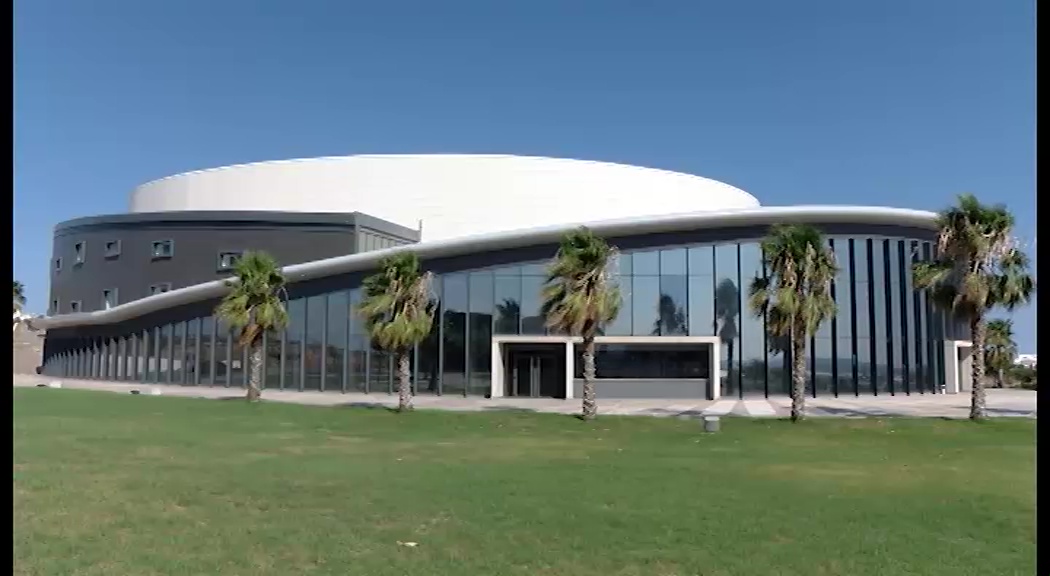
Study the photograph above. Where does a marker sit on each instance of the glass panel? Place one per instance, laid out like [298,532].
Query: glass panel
[845,366]
[727,314]
[293,344]
[702,261]
[646,305]
[429,365]
[222,349]
[879,335]
[481,304]
[178,353]
[621,325]
[129,357]
[204,360]
[165,354]
[532,321]
[648,361]
[899,346]
[192,335]
[701,306]
[335,354]
[752,327]
[864,366]
[672,319]
[316,309]
[920,378]
[645,263]
[508,304]
[822,363]
[624,264]
[145,345]
[380,372]
[455,333]
[358,347]
[673,262]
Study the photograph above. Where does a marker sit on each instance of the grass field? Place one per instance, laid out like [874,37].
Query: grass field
[114,485]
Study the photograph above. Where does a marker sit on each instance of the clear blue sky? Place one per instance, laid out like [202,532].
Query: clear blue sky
[901,103]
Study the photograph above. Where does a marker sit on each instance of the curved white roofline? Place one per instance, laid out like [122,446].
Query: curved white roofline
[507,240]
[450,195]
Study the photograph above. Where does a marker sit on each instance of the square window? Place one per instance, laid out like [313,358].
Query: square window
[58,264]
[160,288]
[74,306]
[227,260]
[80,251]
[112,248]
[163,249]
[109,298]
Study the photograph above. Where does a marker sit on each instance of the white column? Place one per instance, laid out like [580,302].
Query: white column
[951,368]
[715,370]
[496,385]
[965,368]
[570,368]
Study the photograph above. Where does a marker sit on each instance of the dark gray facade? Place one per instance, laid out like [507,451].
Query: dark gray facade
[886,337]
[116,259]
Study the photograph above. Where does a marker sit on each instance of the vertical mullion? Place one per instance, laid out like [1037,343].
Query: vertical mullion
[902,292]
[324,341]
[853,315]
[834,330]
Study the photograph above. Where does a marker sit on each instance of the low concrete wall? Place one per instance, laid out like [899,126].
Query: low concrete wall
[684,388]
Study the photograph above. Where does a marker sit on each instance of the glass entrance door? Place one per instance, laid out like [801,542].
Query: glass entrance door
[535,374]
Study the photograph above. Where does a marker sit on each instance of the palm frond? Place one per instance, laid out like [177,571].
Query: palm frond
[580,296]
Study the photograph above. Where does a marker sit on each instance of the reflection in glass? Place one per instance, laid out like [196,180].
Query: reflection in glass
[671,318]
[144,348]
[702,306]
[193,328]
[335,351]
[507,301]
[380,371]
[293,344]
[532,321]
[454,373]
[752,327]
[647,361]
[645,263]
[357,349]
[847,384]
[316,311]
[621,325]
[429,361]
[480,310]
[727,314]
[673,262]
[165,354]
[897,346]
[646,303]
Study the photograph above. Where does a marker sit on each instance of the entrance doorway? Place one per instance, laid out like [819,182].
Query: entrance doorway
[535,370]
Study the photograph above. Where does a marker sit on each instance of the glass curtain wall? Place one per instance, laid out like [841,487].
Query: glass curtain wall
[885,337]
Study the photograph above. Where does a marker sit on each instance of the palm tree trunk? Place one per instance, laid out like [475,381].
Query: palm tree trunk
[404,389]
[999,380]
[977,398]
[255,376]
[798,375]
[590,403]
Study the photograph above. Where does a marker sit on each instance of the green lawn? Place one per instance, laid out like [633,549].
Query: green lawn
[111,485]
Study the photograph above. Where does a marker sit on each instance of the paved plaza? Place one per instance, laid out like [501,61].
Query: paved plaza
[1003,403]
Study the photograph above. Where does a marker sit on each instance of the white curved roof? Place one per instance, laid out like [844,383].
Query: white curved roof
[453,195]
[509,240]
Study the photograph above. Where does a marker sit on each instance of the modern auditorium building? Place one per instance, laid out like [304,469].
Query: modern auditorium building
[132,294]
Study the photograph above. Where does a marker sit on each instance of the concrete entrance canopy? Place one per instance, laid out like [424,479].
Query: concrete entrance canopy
[499,342]
[958,366]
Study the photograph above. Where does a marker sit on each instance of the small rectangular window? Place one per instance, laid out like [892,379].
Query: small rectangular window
[58,264]
[163,249]
[227,260]
[112,248]
[79,250]
[109,298]
[160,288]
[54,307]
[74,306]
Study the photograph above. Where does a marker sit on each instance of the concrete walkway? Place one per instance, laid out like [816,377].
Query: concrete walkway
[1005,403]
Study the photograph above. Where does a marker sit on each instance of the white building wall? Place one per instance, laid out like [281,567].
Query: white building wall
[453,195]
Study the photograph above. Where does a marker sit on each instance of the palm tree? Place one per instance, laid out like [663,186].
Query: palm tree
[999,348]
[580,297]
[20,296]
[795,296]
[727,310]
[977,267]
[254,305]
[398,313]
